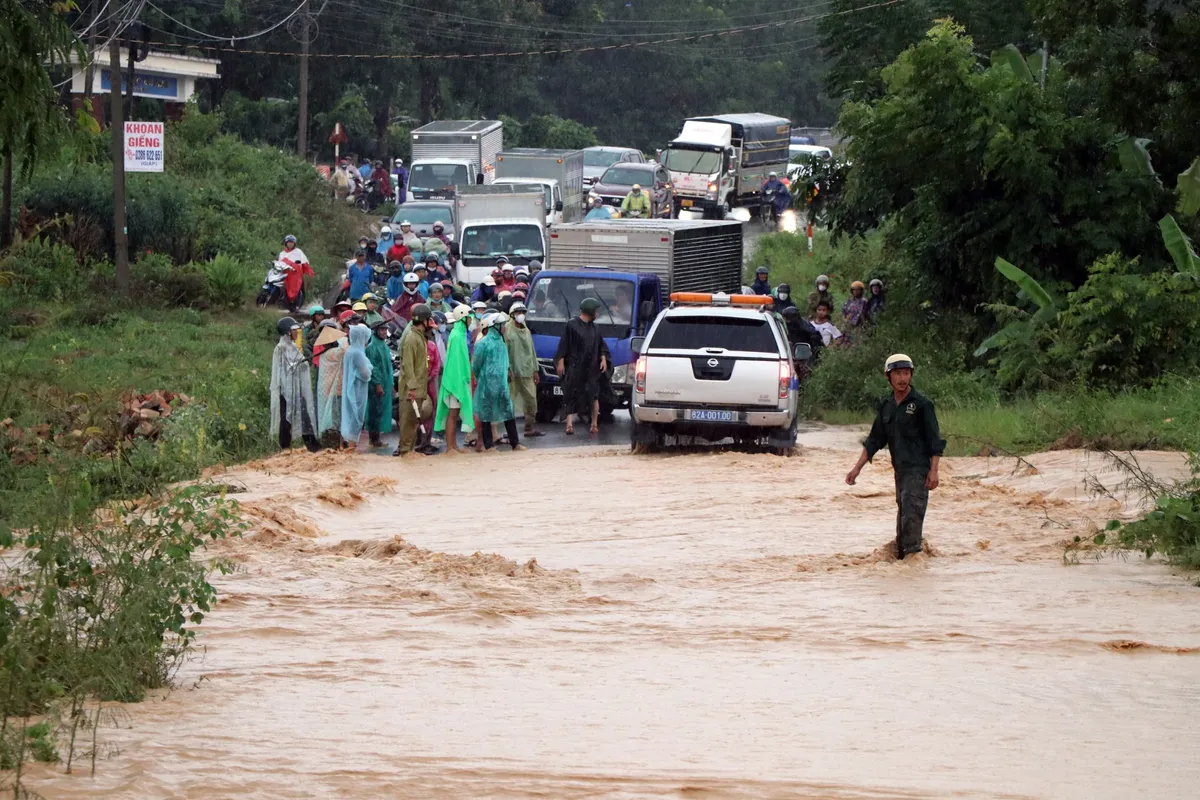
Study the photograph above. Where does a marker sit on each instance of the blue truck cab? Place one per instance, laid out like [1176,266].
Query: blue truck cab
[629,303]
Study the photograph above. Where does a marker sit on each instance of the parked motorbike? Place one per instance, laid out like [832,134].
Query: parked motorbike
[272,292]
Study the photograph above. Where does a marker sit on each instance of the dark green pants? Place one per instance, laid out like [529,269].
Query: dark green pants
[912,498]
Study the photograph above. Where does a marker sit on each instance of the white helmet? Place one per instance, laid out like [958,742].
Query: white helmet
[459,312]
[411,277]
[385,231]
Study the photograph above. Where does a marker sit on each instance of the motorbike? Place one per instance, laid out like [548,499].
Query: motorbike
[272,292]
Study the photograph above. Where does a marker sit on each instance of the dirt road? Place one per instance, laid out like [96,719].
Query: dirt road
[584,623]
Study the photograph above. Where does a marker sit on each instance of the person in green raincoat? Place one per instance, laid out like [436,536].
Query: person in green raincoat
[454,395]
[381,386]
[493,402]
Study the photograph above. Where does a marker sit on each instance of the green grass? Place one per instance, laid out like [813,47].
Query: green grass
[70,376]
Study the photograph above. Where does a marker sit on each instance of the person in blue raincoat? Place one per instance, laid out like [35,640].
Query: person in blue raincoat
[356,374]
[492,400]
[360,274]
[400,174]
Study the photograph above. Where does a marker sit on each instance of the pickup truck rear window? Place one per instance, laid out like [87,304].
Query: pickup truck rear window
[680,332]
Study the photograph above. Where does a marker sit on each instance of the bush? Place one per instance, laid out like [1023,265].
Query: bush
[44,270]
[157,280]
[228,282]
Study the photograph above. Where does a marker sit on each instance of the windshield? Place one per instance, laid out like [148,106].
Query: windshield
[704,162]
[556,299]
[490,241]
[679,332]
[435,177]
[627,176]
[424,215]
[600,158]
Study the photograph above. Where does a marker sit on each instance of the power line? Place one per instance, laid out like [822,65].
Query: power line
[231,39]
[562,50]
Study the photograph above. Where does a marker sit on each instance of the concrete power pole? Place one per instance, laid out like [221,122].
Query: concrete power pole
[302,133]
[117,125]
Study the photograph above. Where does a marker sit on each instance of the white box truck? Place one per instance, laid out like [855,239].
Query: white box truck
[498,220]
[558,172]
[452,153]
[720,162]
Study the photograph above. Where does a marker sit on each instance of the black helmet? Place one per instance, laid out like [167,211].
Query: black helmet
[360,252]
[760,271]
[791,312]
[286,325]
[422,313]
[784,287]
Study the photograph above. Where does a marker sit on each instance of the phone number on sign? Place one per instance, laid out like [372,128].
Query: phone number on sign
[147,155]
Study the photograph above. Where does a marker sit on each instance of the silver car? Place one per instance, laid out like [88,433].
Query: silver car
[598,159]
[422,214]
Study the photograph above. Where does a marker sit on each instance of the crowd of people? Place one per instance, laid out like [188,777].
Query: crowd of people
[349,181]
[432,357]
[815,324]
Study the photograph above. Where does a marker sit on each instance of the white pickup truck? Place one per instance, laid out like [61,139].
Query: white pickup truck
[714,367]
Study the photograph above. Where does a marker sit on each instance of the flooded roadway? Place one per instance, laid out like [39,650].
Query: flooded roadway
[584,623]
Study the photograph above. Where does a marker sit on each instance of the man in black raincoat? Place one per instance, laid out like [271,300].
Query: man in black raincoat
[582,361]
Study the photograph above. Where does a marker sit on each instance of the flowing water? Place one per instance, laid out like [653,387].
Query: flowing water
[585,623]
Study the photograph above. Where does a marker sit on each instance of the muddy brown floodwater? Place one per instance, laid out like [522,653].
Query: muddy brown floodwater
[585,623]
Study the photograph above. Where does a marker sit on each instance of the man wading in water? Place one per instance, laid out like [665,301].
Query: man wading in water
[907,425]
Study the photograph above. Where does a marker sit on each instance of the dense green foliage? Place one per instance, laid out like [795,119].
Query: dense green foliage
[99,607]
[630,71]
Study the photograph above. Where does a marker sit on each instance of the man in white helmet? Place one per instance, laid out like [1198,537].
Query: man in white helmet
[403,305]
[907,425]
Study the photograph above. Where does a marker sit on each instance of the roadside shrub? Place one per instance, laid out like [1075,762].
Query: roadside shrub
[43,270]
[157,280]
[228,282]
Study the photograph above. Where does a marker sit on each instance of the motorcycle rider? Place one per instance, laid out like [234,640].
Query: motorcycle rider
[439,233]
[783,298]
[372,315]
[365,170]
[395,283]
[403,305]
[762,284]
[397,250]
[437,273]
[374,257]
[822,293]
[598,210]
[383,181]
[298,269]
[636,204]
[385,239]
[485,292]
[777,192]
[401,176]
[508,278]
[422,273]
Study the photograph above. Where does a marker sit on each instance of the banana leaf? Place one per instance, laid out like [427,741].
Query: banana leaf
[1009,54]
[1009,333]
[1031,287]
[1188,184]
[1178,246]
[1135,157]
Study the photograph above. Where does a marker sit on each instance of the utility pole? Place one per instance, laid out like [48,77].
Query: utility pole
[302,133]
[117,124]
[1045,61]
[89,73]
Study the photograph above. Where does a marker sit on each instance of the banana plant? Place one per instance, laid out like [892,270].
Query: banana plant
[1047,309]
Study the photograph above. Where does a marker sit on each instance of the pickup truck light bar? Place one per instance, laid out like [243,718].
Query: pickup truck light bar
[721,299]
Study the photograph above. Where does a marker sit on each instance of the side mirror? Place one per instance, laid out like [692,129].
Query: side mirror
[636,344]
[802,352]
[646,311]
[386,220]
[558,206]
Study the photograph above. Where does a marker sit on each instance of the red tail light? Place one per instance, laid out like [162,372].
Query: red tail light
[785,379]
[640,376]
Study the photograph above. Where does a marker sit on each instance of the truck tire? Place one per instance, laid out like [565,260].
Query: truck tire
[645,439]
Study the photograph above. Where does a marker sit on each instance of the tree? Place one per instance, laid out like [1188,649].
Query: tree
[968,163]
[35,37]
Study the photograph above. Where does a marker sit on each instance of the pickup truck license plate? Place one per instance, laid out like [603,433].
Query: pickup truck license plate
[557,391]
[685,203]
[704,415]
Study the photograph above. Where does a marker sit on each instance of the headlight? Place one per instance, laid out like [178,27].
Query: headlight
[621,374]
[712,187]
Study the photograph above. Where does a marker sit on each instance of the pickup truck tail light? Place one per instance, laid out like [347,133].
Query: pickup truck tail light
[785,379]
[640,376]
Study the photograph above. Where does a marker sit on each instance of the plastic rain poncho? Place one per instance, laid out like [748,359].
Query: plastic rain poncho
[329,387]
[493,403]
[356,372]
[456,380]
[381,375]
[291,380]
